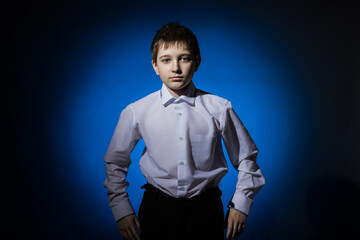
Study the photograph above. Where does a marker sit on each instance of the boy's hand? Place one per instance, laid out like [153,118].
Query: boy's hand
[127,227]
[236,223]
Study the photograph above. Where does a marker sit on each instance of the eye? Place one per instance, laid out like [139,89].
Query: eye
[185,59]
[165,60]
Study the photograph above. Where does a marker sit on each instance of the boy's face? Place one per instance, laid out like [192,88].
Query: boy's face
[176,67]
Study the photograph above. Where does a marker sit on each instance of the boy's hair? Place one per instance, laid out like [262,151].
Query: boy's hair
[174,33]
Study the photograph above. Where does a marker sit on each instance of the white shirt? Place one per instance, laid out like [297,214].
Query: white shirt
[183,154]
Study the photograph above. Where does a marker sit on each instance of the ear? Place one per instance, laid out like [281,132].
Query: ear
[197,63]
[156,68]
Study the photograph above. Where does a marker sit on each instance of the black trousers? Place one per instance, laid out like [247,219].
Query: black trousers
[164,217]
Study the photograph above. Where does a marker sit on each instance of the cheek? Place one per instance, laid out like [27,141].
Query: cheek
[164,69]
[189,70]
[163,74]
[185,67]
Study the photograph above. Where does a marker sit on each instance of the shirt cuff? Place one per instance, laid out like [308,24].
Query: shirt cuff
[241,203]
[122,209]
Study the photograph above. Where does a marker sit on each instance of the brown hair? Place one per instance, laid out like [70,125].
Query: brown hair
[172,34]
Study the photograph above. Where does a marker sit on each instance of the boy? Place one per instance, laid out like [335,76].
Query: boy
[183,160]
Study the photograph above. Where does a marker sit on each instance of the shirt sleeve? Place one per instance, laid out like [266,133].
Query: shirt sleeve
[242,152]
[117,162]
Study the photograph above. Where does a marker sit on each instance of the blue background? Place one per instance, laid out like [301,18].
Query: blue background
[291,71]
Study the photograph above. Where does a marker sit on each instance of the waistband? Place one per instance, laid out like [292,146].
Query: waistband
[209,194]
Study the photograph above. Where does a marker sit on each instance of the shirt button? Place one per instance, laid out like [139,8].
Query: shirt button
[182,163]
[180,114]
[181,138]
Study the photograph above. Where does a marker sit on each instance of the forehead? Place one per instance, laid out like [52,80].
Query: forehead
[167,47]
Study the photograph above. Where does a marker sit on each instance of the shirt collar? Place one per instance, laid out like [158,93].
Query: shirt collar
[188,97]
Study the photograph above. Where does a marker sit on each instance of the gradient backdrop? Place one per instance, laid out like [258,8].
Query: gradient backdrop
[291,71]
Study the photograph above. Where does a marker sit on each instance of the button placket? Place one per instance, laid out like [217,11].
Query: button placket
[181,149]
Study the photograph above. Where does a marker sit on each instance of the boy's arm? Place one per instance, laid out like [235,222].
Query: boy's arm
[117,161]
[242,152]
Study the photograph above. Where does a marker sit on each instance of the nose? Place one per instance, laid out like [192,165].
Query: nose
[176,67]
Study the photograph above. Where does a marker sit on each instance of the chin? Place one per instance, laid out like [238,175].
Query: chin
[177,86]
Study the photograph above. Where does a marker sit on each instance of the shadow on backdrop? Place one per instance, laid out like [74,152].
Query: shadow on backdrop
[333,208]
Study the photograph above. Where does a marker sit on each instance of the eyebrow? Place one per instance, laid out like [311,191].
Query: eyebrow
[166,55]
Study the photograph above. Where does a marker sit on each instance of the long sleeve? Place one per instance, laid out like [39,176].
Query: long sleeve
[117,161]
[242,152]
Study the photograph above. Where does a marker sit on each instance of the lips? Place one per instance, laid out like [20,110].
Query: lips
[177,78]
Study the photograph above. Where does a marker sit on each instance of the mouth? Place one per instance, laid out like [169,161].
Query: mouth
[177,78]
